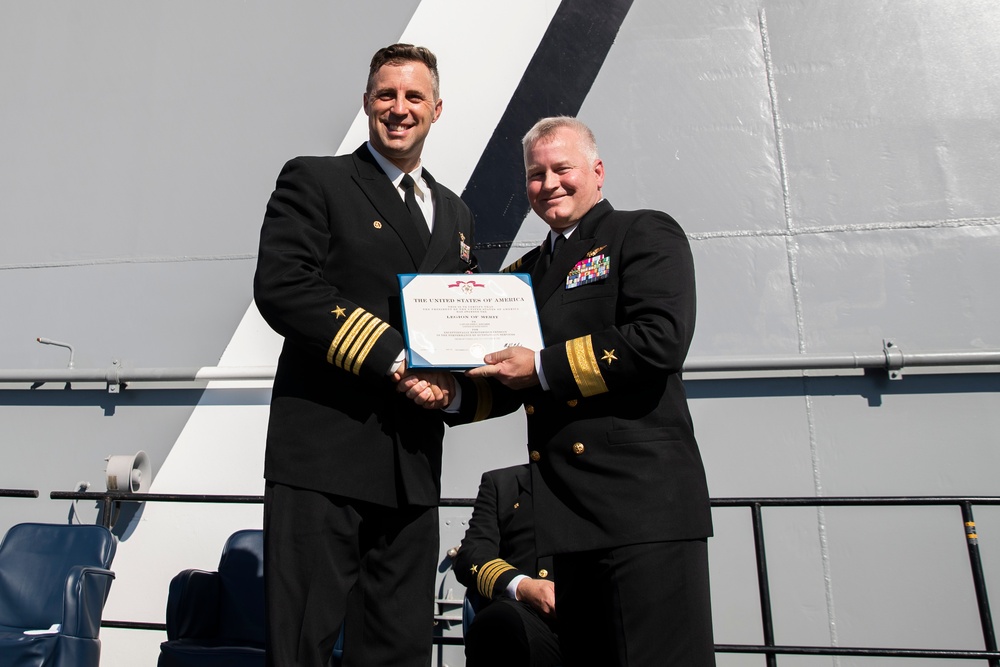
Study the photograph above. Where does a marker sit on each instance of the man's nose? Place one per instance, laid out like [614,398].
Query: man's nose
[399,106]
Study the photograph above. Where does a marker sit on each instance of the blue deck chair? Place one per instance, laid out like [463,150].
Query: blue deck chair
[54,581]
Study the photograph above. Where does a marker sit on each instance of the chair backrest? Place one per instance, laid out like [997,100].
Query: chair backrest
[471,603]
[241,578]
[35,560]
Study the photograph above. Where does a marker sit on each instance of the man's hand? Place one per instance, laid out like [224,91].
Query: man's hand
[400,372]
[429,389]
[513,366]
[540,594]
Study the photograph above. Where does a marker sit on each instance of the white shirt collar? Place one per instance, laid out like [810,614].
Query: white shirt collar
[566,233]
[394,173]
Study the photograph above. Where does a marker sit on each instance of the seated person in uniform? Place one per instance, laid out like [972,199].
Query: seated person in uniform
[512,586]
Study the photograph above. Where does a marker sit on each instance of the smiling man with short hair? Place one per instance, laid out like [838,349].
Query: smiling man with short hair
[352,467]
[619,490]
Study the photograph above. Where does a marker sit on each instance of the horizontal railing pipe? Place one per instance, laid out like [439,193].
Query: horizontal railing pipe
[803,501]
[115,375]
[859,651]
[894,360]
[18,493]
[809,362]
[124,496]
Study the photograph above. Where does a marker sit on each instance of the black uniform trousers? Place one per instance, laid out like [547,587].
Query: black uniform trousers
[642,605]
[506,632]
[324,557]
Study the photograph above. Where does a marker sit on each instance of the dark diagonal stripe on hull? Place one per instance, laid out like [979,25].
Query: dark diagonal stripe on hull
[556,82]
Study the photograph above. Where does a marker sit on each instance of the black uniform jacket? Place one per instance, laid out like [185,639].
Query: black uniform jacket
[611,446]
[500,541]
[335,235]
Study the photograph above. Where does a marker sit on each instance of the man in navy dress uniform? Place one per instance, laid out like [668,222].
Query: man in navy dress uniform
[510,584]
[352,467]
[619,489]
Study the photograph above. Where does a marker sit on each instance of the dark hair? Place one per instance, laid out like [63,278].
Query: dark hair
[397,54]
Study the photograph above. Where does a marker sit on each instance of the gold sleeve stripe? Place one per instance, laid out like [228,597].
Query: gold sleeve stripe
[488,575]
[359,341]
[484,402]
[583,363]
[344,329]
[355,339]
[350,337]
[512,267]
[368,347]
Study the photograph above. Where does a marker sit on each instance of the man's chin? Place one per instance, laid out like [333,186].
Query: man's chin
[393,149]
[554,220]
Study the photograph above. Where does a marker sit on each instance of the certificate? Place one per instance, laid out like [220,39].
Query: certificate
[454,320]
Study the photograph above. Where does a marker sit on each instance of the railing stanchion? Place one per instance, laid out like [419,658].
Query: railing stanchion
[979,580]
[763,587]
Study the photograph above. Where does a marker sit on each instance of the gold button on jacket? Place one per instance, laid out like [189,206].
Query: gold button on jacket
[535,455]
[578,448]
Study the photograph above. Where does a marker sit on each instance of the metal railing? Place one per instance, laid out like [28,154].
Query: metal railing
[769,648]
[772,650]
[891,359]
[18,493]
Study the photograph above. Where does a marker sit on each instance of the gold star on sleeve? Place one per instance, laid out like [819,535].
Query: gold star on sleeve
[474,569]
[339,312]
[609,357]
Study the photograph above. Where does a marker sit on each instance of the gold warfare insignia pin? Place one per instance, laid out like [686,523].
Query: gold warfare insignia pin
[596,250]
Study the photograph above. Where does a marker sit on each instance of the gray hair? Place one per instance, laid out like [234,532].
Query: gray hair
[546,127]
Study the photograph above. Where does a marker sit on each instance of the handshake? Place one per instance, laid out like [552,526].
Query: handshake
[514,367]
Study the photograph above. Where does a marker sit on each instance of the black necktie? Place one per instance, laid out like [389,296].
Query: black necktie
[551,255]
[560,239]
[419,221]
